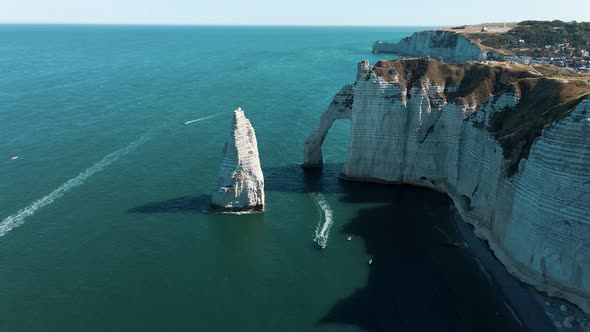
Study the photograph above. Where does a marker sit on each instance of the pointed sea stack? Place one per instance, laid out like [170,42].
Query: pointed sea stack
[241,184]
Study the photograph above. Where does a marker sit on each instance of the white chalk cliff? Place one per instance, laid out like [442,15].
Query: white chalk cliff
[511,149]
[450,46]
[241,182]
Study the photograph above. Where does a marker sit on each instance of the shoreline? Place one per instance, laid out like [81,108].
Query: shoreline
[574,314]
[533,309]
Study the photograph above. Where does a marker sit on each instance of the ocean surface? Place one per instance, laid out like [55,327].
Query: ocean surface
[103,217]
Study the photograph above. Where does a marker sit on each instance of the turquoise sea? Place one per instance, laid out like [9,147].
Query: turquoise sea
[103,217]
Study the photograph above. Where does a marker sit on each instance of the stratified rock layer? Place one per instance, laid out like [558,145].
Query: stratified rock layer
[450,46]
[241,183]
[510,148]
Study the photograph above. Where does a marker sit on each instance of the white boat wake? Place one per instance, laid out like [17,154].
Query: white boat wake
[18,218]
[322,228]
[201,119]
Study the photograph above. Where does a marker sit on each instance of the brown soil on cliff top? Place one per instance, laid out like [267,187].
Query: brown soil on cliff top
[543,101]
[492,28]
[544,98]
[476,82]
[474,34]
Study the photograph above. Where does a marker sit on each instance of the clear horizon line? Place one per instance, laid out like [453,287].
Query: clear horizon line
[216,24]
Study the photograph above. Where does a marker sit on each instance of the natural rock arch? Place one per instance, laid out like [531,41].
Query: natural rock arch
[340,108]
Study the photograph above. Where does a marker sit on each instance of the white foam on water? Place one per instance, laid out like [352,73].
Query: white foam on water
[18,218]
[201,119]
[323,229]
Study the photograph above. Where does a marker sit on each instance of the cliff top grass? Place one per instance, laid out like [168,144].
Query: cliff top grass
[543,101]
[475,81]
[546,94]
[492,28]
[531,37]
[558,72]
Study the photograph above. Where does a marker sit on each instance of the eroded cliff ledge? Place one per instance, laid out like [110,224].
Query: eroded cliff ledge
[510,146]
[241,183]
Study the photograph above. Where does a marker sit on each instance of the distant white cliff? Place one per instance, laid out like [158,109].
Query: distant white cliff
[510,148]
[448,45]
[241,182]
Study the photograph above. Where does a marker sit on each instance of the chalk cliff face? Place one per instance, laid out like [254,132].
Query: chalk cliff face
[510,148]
[241,183]
[450,46]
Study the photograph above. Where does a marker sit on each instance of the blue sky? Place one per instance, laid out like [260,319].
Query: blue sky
[291,12]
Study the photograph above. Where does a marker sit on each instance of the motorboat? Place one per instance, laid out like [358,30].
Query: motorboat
[321,241]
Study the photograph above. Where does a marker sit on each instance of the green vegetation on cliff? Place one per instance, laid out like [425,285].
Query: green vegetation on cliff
[536,35]
[542,99]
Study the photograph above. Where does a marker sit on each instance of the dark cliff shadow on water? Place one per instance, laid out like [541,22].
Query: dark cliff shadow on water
[289,178]
[415,283]
[296,179]
[184,204]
